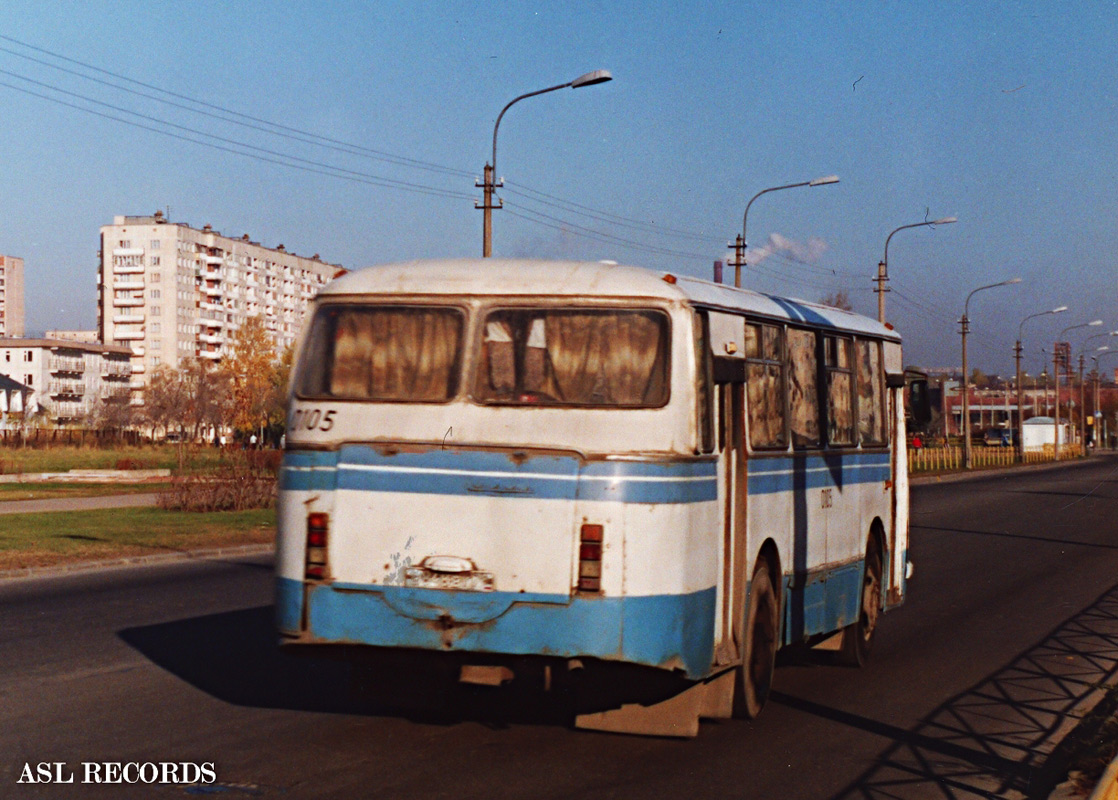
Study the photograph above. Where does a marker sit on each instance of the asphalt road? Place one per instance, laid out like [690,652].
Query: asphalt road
[1010,627]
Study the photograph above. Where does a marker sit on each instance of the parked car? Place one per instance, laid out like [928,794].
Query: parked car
[998,437]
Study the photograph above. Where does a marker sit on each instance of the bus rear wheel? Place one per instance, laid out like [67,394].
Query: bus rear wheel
[857,639]
[753,678]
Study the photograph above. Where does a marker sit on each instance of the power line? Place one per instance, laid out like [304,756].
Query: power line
[323,140]
[587,211]
[325,169]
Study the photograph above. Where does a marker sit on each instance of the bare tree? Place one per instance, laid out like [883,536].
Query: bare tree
[839,299]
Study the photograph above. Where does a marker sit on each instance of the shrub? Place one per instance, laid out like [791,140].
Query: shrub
[239,484]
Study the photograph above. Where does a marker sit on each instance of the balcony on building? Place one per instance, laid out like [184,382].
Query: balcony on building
[122,302]
[127,319]
[65,364]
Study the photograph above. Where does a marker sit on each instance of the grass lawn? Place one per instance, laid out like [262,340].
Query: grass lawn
[29,540]
[62,458]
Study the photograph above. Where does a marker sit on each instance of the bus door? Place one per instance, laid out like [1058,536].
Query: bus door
[728,378]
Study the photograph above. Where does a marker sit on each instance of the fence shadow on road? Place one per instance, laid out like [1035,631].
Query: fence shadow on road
[234,657]
[1009,736]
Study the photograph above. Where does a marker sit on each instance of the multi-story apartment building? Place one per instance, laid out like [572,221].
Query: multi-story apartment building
[172,292]
[66,378]
[11,296]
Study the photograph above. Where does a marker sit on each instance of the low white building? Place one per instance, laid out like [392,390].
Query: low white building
[66,378]
[1040,432]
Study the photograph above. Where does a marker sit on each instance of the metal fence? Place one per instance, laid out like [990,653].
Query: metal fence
[947,459]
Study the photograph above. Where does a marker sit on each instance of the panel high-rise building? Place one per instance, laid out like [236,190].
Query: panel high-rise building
[11,296]
[172,292]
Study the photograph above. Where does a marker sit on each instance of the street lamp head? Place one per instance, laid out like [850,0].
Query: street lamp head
[1094,323]
[1011,281]
[944,221]
[824,180]
[1058,310]
[591,78]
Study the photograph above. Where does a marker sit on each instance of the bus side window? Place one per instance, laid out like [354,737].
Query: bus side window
[840,390]
[871,414]
[803,389]
[764,377]
[704,382]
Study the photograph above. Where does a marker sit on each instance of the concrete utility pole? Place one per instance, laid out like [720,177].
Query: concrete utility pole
[1082,409]
[964,329]
[883,264]
[738,261]
[489,183]
[742,241]
[1056,412]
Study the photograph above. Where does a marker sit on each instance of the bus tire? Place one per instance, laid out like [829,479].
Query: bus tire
[753,678]
[857,639]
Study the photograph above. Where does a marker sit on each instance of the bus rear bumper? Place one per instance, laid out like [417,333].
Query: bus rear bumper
[672,632]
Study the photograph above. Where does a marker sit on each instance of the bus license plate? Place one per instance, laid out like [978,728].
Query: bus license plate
[419,578]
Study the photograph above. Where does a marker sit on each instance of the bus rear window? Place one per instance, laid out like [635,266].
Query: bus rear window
[386,353]
[574,357]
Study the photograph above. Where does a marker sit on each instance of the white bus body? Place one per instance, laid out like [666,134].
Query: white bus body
[588,463]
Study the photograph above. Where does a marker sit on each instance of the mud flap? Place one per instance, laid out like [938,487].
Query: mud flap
[678,716]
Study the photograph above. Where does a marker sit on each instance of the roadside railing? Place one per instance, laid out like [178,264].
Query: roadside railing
[948,459]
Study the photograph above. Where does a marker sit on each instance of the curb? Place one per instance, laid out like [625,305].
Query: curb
[965,475]
[57,570]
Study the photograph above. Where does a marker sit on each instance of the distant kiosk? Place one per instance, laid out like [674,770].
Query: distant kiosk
[1039,432]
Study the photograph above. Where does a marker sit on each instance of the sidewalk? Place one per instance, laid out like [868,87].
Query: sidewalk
[78,503]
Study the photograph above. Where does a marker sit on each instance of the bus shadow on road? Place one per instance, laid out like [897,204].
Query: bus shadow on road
[1011,735]
[234,657]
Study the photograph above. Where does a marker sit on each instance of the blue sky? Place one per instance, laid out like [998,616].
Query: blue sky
[1005,115]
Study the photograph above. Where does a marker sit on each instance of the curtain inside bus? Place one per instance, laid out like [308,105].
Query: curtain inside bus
[383,353]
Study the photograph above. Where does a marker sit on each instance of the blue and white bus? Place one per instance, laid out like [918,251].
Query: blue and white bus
[547,468]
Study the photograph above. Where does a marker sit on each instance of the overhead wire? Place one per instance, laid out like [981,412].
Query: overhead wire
[280,129]
[270,156]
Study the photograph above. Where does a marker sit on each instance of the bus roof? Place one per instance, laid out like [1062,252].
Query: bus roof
[501,276]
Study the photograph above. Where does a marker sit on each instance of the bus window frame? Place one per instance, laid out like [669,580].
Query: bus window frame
[820,389]
[482,312]
[883,404]
[785,446]
[464,310]
[825,388]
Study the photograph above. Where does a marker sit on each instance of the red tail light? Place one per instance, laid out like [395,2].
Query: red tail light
[590,558]
[318,525]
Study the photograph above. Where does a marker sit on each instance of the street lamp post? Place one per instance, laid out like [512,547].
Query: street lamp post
[1017,352]
[1095,414]
[1056,371]
[965,327]
[489,185]
[741,243]
[1098,380]
[883,265]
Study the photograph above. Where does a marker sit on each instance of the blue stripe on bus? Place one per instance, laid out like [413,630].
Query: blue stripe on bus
[824,601]
[771,475]
[668,631]
[494,474]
